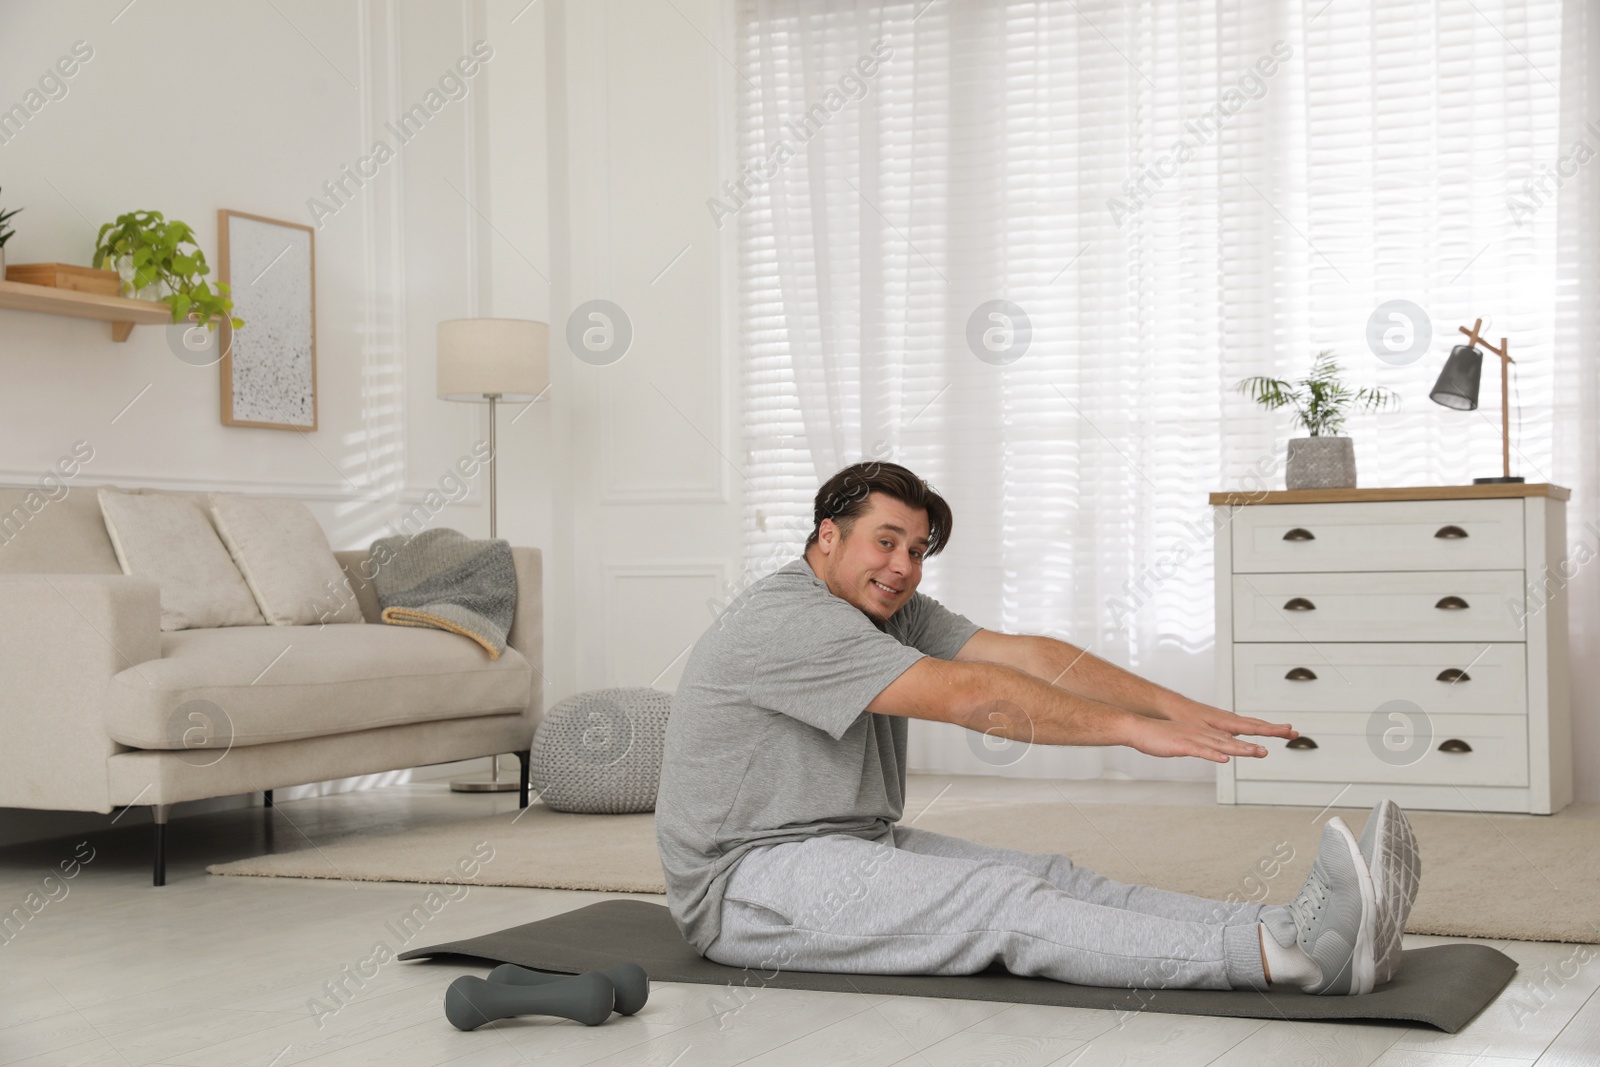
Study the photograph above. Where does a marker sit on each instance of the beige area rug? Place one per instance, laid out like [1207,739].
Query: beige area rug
[1497,877]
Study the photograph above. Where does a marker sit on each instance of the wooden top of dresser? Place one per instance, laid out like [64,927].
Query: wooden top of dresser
[1402,492]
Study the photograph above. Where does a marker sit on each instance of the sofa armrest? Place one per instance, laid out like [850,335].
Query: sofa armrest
[527,625]
[62,638]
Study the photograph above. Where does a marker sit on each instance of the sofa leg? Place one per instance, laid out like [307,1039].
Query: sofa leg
[266,798]
[522,790]
[160,812]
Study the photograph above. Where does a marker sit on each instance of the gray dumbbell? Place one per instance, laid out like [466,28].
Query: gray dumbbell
[631,983]
[586,998]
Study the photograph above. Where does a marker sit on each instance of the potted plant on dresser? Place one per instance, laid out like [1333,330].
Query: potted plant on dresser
[1324,460]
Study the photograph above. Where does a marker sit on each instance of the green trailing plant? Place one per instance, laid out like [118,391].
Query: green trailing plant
[1320,401]
[6,232]
[156,250]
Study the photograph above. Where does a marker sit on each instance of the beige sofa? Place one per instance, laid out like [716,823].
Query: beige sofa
[100,709]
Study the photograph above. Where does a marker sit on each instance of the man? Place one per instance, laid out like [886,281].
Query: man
[783,782]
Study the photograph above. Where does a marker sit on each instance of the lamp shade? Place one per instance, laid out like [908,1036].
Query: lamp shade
[1457,386]
[509,358]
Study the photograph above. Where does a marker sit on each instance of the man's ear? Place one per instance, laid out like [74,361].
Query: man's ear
[823,530]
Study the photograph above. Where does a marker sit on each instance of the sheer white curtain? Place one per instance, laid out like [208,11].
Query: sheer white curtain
[1168,197]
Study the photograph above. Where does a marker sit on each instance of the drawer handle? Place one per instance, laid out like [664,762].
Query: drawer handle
[1455,744]
[1299,533]
[1300,603]
[1452,603]
[1302,674]
[1454,674]
[1302,742]
[1451,533]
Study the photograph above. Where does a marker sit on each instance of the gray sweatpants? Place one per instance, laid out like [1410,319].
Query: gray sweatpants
[918,902]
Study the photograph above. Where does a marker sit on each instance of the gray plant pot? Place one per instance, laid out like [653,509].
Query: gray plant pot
[1321,463]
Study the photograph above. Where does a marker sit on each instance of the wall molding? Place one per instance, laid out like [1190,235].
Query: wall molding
[662,495]
[606,264]
[647,570]
[667,568]
[714,491]
[382,400]
[319,491]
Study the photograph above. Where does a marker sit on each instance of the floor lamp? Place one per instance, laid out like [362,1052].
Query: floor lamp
[486,361]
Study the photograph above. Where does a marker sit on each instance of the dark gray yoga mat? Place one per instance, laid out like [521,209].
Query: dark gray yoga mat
[1443,986]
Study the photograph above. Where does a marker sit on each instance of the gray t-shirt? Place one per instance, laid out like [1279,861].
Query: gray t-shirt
[769,739]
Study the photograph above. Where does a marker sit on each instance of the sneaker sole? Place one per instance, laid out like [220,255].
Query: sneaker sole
[1396,870]
[1363,963]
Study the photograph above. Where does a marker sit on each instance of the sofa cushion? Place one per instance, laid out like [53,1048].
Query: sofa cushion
[278,683]
[169,538]
[283,554]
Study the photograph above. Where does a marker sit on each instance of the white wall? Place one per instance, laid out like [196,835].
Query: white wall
[627,485]
[257,119]
[638,141]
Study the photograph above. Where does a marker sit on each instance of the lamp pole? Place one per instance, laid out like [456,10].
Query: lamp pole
[494,452]
[1504,352]
[495,784]
[487,360]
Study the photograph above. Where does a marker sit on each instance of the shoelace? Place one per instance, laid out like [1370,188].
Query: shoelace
[1308,904]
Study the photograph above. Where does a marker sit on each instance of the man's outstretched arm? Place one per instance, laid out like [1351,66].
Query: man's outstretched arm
[1002,700]
[1079,671]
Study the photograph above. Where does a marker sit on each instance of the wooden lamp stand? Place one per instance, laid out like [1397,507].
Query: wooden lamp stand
[1476,341]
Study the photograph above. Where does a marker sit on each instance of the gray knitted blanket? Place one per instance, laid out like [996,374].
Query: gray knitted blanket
[444,579]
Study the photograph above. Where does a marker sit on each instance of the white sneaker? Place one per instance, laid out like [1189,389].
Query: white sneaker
[1335,915]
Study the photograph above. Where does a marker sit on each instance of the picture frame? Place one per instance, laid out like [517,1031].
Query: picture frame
[268,366]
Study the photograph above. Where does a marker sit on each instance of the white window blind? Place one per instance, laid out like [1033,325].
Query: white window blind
[1177,196]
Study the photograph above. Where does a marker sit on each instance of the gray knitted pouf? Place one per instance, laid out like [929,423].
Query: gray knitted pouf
[600,752]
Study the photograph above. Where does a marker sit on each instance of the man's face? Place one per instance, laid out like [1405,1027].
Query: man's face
[878,566]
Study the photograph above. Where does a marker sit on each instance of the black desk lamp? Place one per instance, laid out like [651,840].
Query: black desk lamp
[1457,388]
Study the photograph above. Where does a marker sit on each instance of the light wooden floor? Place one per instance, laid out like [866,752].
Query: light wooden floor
[224,971]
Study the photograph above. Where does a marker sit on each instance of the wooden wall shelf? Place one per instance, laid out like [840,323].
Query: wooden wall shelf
[122,313]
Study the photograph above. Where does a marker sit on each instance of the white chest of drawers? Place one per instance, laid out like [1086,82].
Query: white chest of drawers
[1417,639]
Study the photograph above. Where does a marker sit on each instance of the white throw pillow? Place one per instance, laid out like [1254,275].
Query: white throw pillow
[168,538]
[284,556]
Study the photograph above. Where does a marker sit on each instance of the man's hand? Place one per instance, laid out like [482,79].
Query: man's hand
[1194,713]
[1163,737]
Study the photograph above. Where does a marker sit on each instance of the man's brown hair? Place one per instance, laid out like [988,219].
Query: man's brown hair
[845,496]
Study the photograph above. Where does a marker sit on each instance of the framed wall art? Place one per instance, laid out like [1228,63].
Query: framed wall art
[269,365]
